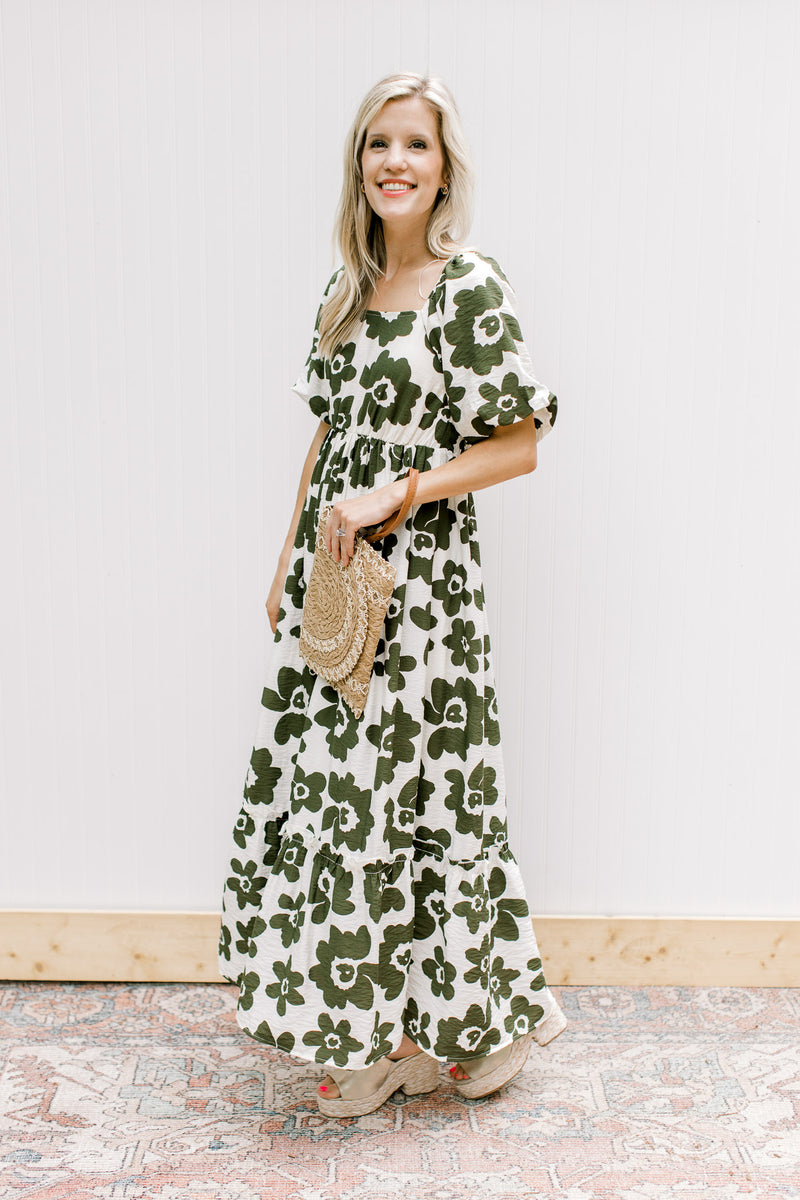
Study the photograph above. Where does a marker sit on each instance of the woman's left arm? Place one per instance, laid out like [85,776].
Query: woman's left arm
[509,450]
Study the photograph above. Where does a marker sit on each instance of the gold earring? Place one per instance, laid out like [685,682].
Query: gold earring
[362,187]
[445,188]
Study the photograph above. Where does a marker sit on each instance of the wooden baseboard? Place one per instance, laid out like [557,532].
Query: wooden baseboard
[181,947]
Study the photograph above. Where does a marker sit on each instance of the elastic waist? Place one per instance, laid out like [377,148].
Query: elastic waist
[415,454]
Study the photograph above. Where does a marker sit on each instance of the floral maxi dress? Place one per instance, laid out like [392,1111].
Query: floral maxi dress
[372,889]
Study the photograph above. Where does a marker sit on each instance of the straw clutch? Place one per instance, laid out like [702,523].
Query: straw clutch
[345,607]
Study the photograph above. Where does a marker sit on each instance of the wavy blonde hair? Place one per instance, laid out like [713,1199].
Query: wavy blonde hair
[359,232]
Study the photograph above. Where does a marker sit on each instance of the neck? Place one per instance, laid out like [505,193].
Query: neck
[406,248]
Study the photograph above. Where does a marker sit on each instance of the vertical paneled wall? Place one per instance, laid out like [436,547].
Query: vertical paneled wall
[168,176]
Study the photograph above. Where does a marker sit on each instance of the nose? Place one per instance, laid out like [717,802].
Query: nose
[396,157]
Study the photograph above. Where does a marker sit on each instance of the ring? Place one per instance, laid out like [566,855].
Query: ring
[341,533]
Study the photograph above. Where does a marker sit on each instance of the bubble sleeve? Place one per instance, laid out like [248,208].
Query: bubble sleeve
[313,384]
[475,334]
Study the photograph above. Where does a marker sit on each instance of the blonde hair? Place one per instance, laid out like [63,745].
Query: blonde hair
[359,232]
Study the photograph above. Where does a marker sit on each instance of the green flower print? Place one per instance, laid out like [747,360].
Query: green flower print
[467,801]
[294,585]
[416,1024]
[330,891]
[491,724]
[481,333]
[481,956]
[291,699]
[394,614]
[436,413]
[452,588]
[340,972]
[432,841]
[523,1016]
[340,368]
[389,393]
[285,990]
[500,979]
[248,983]
[508,912]
[245,883]
[244,827]
[431,911]
[259,784]
[290,858]
[263,1033]
[224,943]
[431,526]
[401,812]
[395,666]
[393,737]
[460,1040]
[290,922]
[424,618]
[248,930]
[379,891]
[469,528]
[441,974]
[475,907]
[412,793]
[458,711]
[394,959]
[386,329]
[307,791]
[341,722]
[465,648]
[349,811]
[333,1041]
[503,405]
[535,965]
[380,1041]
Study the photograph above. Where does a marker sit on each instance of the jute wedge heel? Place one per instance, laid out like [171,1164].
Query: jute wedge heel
[361,1092]
[492,1071]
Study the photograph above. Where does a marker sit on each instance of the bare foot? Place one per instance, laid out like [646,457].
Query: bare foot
[330,1091]
[458,1072]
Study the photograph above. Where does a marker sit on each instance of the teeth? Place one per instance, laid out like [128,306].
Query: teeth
[396,187]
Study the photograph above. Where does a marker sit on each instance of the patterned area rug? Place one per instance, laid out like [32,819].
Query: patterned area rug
[151,1092]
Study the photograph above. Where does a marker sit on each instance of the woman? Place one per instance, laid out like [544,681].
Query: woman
[375,919]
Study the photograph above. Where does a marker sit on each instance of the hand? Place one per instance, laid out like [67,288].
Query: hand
[370,509]
[273,603]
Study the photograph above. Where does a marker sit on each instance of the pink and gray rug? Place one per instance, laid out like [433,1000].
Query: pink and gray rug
[151,1092]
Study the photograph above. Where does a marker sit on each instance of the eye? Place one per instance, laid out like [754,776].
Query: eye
[376,143]
[419,144]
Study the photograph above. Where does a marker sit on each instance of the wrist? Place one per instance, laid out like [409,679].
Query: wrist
[396,492]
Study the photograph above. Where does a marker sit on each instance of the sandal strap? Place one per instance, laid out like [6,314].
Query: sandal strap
[478,1067]
[356,1085]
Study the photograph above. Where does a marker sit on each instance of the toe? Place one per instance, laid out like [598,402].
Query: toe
[328,1089]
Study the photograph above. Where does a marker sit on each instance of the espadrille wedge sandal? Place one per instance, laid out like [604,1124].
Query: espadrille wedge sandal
[490,1072]
[361,1092]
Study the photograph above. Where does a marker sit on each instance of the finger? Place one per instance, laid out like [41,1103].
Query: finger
[348,546]
[331,540]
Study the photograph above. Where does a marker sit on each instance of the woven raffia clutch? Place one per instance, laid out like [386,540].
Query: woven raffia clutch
[344,608]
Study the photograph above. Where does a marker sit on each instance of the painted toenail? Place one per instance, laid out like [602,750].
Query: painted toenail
[322,1088]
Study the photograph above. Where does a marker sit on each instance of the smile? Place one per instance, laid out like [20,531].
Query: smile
[392,185]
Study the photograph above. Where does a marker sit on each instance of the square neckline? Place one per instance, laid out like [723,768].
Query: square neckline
[405,312]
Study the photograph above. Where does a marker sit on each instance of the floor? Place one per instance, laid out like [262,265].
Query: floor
[151,1092]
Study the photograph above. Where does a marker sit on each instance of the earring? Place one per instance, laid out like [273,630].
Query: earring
[362,187]
[445,188]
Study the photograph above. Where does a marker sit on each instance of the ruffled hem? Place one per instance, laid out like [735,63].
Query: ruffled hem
[352,948]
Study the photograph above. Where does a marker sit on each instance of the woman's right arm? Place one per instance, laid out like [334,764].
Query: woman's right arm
[276,591]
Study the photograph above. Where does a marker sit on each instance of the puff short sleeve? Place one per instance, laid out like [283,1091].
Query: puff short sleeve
[487,369]
[313,384]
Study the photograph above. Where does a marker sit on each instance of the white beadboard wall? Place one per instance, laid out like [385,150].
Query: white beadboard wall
[168,175]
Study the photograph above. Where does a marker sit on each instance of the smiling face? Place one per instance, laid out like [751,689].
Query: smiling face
[402,161]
